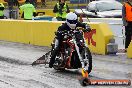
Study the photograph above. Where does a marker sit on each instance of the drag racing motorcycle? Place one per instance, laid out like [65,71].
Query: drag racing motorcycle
[73,54]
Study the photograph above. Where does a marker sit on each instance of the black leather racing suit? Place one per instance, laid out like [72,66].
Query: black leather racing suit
[59,37]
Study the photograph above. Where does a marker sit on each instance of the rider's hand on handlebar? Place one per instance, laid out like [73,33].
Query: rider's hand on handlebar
[87,28]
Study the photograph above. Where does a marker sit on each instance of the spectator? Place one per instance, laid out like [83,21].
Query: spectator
[16,3]
[127,21]
[34,2]
[28,10]
[61,9]
[43,3]
[2,11]
[10,7]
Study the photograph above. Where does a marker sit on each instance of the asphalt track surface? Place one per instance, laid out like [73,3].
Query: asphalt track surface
[16,70]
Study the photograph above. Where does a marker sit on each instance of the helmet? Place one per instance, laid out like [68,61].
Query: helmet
[71,20]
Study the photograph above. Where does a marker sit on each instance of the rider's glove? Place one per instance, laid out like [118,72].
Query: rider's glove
[87,28]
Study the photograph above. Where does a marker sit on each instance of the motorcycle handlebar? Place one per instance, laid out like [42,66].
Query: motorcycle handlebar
[70,33]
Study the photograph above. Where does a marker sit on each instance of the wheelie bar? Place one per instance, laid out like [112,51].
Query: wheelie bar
[42,60]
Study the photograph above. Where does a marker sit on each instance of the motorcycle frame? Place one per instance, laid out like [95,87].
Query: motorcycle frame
[73,45]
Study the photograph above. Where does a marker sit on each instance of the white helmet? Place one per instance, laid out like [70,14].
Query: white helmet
[71,20]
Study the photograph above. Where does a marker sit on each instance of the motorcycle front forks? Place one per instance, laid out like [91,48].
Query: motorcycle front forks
[83,70]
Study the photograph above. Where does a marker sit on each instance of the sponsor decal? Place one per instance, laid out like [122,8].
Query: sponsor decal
[89,36]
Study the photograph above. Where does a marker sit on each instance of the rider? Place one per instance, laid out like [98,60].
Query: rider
[2,11]
[71,23]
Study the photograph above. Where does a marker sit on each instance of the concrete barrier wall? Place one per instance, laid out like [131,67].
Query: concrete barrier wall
[30,32]
[16,31]
[116,27]
[129,51]
[99,37]
[48,12]
[42,33]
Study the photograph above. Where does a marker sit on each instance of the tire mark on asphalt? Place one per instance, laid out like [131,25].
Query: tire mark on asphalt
[12,74]
[7,83]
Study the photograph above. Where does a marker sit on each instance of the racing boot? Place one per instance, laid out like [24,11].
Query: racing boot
[54,52]
[52,59]
[50,64]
